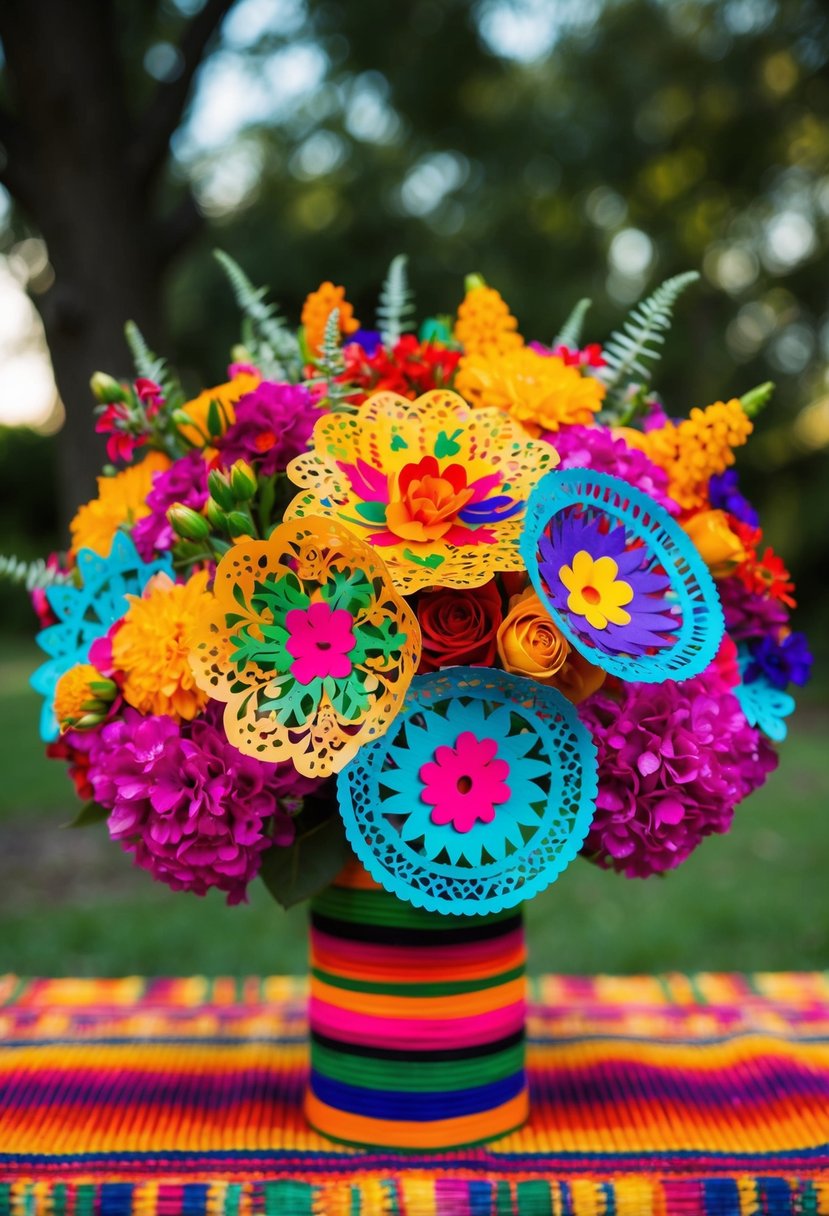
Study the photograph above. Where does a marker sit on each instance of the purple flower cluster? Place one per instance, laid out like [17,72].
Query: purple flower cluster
[186,482]
[724,495]
[587,447]
[188,805]
[783,662]
[273,424]
[748,614]
[674,760]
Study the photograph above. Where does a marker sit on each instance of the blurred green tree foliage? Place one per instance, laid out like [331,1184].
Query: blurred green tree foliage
[561,150]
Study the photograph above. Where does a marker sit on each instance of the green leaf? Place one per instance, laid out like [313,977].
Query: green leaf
[214,420]
[395,311]
[31,575]
[272,346]
[348,589]
[570,333]
[309,865]
[90,812]
[153,367]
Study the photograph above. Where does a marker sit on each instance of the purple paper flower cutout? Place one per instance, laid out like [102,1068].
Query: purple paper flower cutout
[186,482]
[651,620]
[724,495]
[784,662]
[593,447]
[190,807]
[369,340]
[273,425]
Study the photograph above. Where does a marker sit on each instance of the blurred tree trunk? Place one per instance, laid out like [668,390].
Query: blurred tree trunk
[84,170]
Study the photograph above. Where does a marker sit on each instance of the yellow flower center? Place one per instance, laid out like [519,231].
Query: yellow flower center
[596,591]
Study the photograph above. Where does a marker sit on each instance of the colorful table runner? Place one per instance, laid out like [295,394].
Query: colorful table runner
[182,1097]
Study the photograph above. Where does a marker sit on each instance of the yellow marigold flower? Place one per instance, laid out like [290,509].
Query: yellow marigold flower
[121,500]
[539,390]
[693,450]
[75,697]
[226,395]
[485,323]
[317,309]
[151,648]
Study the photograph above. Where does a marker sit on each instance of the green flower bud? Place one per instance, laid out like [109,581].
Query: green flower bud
[215,515]
[188,523]
[214,420]
[87,722]
[242,481]
[239,523]
[182,418]
[219,487]
[106,389]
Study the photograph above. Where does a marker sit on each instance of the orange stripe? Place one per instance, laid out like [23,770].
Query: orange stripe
[431,972]
[355,877]
[427,1007]
[438,1133]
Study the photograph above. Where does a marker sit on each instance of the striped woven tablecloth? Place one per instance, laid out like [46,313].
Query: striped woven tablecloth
[182,1097]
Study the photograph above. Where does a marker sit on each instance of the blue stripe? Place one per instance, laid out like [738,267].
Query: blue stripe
[416,1107]
[722,1196]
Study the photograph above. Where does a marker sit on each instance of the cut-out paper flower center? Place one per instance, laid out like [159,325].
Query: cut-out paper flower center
[321,641]
[596,591]
[307,641]
[440,486]
[465,783]
[620,578]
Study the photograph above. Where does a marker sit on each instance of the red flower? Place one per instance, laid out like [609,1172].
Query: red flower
[459,626]
[590,356]
[409,369]
[762,575]
[78,756]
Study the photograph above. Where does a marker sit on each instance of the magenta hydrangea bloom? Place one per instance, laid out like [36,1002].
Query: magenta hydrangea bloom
[186,482]
[673,762]
[591,447]
[273,424]
[191,808]
[749,615]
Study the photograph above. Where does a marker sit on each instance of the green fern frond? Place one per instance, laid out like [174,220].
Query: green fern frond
[272,346]
[331,365]
[31,575]
[152,367]
[570,333]
[630,349]
[396,309]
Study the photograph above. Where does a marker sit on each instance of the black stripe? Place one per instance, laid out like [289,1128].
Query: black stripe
[430,1056]
[398,935]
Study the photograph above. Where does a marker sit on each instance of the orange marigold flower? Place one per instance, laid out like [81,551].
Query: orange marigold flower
[539,390]
[121,500]
[76,698]
[226,395]
[151,648]
[693,450]
[485,323]
[317,309]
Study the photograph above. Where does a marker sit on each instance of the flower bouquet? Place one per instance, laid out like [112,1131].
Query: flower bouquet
[405,623]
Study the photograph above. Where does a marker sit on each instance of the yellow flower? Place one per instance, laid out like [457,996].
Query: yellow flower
[540,391]
[151,648]
[485,323]
[531,645]
[77,698]
[121,500]
[718,547]
[595,591]
[318,307]
[226,395]
[692,450]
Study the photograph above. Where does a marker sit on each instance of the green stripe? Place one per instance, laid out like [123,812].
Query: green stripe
[85,1199]
[233,1196]
[534,1198]
[382,908]
[415,1076]
[415,989]
[285,1195]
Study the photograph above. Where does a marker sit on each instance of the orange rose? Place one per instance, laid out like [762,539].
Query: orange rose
[531,645]
[718,546]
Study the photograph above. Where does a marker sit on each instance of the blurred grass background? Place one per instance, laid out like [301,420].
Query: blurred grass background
[71,903]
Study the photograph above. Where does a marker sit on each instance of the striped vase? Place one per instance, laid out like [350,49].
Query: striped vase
[416,1021]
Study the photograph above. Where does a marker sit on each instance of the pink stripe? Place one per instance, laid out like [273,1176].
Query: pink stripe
[412,958]
[415,1032]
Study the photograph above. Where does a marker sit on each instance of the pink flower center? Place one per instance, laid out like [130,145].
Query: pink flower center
[321,640]
[464,783]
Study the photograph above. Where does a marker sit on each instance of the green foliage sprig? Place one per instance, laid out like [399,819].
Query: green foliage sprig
[153,367]
[34,575]
[570,333]
[331,365]
[269,342]
[396,308]
[629,350]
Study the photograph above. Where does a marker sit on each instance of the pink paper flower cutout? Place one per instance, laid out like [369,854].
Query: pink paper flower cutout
[465,783]
[321,639]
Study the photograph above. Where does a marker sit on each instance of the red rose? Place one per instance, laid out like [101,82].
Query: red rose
[459,627]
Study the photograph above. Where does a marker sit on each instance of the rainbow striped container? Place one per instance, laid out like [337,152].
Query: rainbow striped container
[416,1021]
